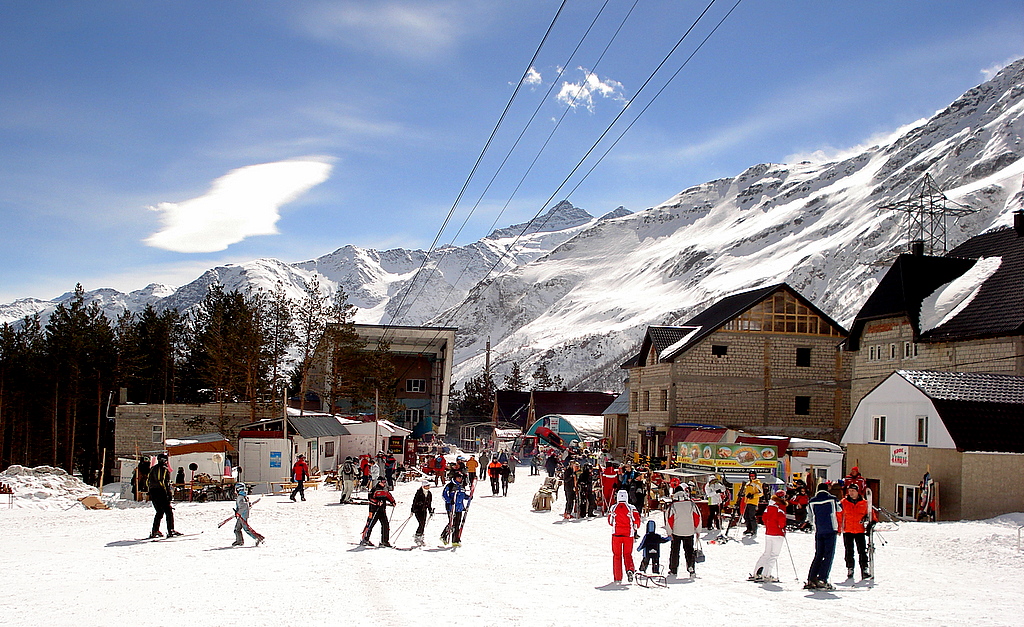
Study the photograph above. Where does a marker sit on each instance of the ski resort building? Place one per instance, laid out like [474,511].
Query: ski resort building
[766,361]
[966,430]
[963,312]
[422,359]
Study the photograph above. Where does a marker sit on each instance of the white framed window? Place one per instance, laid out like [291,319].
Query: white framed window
[158,434]
[663,400]
[878,428]
[415,385]
[909,350]
[892,351]
[634,401]
[413,416]
[906,500]
[647,401]
[878,352]
[922,429]
[329,448]
[872,356]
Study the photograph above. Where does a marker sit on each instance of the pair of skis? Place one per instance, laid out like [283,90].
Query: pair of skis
[260,539]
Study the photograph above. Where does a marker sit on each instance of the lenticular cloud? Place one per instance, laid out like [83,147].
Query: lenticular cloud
[242,203]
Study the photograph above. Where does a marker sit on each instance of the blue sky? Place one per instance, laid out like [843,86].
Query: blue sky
[147,141]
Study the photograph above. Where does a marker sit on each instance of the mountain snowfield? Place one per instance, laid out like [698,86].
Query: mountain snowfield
[577,292]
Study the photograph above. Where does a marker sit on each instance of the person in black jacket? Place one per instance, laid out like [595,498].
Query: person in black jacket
[504,473]
[379,498]
[421,506]
[569,484]
[159,483]
[585,491]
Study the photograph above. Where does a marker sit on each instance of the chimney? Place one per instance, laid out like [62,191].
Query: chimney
[1018,222]
[917,247]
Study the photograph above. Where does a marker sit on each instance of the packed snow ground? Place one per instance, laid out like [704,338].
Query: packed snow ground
[516,567]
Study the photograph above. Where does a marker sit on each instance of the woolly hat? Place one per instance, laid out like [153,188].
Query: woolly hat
[425,484]
[621,496]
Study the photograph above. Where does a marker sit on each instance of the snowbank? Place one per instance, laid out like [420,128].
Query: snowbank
[45,487]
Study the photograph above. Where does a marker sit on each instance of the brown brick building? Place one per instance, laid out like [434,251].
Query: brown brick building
[764,361]
[140,428]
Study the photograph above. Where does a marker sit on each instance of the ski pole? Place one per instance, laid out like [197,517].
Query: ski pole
[795,574]
[398,531]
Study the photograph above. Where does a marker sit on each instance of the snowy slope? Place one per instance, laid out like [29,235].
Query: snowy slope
[583,308]
[515,568]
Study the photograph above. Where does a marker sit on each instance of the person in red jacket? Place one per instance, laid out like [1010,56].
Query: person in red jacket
[625,520]
[774,519]
[853,521]
[300,472]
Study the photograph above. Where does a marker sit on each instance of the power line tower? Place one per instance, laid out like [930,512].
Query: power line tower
[927,209]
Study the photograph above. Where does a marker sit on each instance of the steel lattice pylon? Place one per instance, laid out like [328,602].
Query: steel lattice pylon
[927,209]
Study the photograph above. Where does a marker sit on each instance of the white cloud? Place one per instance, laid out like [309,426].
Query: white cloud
[408,29]
[532,77]
[242,203]
[994,69]
[583,93]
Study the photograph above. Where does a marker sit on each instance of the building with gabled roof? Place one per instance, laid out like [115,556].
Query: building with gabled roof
[963,312]
[966,429]
[765,360]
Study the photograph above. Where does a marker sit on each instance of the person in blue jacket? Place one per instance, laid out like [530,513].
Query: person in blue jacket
[824,509]
[455,502]
[650,547]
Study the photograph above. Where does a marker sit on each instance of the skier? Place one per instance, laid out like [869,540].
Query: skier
[751,493]
[650,547]
[455,502]
[569,480]
[242,517]
[347,473]
[421,506]
[854,517]
[585,491]
[824,510]
[494,474]
[485,460]
[390,464]
[300,472]
[472,466]
[159,484]
[504,472]
[551,463]
[715,490]
[535,465]
[774,519]
[624,520]
[379,498]
[857,480]
[682,518]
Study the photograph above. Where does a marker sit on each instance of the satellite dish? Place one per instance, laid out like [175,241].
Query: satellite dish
[193,467]
[217,458]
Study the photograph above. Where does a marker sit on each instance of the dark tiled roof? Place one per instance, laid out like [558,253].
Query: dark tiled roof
[967,386]
[982,412]
[317,426]
[571,403]
[998,307]
[905,285]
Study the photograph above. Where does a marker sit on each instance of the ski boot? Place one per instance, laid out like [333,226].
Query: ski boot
[156,534]
[418,539]
[629,576]
[365,542]
[260,539]
[865,573]
[692,572]
[173,534]
[238,543]
[385,544]
[849,573]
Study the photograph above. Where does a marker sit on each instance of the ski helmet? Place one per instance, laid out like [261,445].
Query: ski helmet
[240,488]
[622,496]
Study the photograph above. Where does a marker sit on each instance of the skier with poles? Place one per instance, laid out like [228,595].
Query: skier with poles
[421,506]
[774,519]
[854,517]
[379,498]
[624,520]
[242,518]
[159,483]
[456,502]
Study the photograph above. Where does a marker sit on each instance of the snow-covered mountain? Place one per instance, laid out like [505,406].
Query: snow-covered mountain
[583,308]
[576,292]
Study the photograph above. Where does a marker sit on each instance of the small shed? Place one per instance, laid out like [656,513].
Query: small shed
[209,452]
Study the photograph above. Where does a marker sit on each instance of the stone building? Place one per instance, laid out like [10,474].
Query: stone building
[140,428]
[764,361]
[960,313]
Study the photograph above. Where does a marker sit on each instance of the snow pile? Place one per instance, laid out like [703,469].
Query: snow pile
[949,300]
[44,487]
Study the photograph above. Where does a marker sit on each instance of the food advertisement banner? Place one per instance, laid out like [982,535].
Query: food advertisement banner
[727,456]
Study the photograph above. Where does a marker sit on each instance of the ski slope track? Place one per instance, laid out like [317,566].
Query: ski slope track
[577,292]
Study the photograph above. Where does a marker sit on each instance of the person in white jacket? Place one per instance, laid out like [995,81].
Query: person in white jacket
[682,519]
[716,492]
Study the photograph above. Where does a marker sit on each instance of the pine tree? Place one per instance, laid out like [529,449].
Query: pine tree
[514,379]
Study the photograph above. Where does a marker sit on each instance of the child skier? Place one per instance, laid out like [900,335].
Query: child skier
[242,518]
[624,520]
[650,547]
